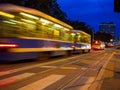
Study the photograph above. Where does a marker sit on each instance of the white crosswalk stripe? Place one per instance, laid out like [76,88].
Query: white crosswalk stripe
[18,69]
[43,83]
[15,78]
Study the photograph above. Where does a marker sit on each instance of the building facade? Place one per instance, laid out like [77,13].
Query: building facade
[107,28]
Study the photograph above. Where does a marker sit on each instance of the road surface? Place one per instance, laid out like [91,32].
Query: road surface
[97,70]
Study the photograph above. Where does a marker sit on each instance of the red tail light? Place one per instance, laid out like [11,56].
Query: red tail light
[8,45]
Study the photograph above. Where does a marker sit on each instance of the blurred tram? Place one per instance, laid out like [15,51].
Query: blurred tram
[27,33]
[82,41]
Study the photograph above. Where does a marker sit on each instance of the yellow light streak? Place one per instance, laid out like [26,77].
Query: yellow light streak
[73,34]
[28,21]
[9,22]
[28,15]
[44,21]
[59,26]
[6,14]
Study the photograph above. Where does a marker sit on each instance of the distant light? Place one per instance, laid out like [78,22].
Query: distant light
[6,14]
[111,40]
[28,15]
[96,42]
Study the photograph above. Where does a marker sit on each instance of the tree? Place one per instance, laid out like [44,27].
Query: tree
[50,7]
[42,5]
[81,26]
[55,10]
[103,36]
[16,2]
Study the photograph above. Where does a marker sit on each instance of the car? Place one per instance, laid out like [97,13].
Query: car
[109,45]
[98,45]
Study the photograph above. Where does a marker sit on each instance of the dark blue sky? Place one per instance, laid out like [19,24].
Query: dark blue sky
[92,12]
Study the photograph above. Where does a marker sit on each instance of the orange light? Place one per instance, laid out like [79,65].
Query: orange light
[8,45]
[73,46]
[96,42]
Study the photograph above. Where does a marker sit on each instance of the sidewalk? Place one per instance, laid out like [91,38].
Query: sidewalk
[111,76]
[110,79]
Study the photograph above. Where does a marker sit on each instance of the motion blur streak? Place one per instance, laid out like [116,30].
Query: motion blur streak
[8,45]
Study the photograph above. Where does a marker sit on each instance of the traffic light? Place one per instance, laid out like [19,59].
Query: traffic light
[116,5]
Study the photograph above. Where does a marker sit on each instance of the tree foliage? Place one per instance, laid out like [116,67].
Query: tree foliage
[17,2]
[103,36]
[50,7]
[82,26]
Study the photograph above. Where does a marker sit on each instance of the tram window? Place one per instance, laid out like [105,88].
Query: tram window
[23,24]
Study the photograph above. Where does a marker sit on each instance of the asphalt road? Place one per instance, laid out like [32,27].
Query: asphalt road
[97,70]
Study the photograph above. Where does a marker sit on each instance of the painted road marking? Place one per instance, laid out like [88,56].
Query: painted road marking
[43,83]
[27,67]
[49,66]
[17,70]
[38,65]
[68,68]
[80,84]
[87,84]
[13,79]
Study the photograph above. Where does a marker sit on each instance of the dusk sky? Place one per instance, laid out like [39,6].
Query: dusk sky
[92,12]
